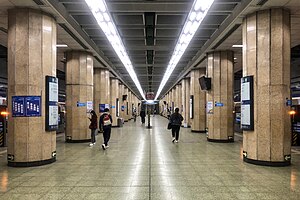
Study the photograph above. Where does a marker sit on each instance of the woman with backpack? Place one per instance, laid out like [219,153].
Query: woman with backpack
[106,121]
[175,120]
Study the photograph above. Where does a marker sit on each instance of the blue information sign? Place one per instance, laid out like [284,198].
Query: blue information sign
[80,104]
[26,106]
[219,104]
[102,107]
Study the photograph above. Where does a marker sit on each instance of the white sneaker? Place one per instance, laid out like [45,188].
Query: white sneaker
[103,146]
[94,143]
[91,144]
[106,147]
[176,141]
[173,140]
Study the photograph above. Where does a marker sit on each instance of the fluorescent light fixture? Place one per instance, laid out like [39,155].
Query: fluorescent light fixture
[194,19]
[61,45]
[237,46]
[235,58]
[102,15]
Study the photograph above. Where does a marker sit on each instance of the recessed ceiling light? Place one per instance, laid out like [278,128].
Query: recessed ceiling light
[61,45]
[191,25]
[101,13]
[237,46]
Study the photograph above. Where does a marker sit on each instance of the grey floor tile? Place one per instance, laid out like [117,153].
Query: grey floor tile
[142,164]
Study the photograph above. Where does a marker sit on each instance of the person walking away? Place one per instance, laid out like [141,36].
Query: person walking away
[175,120]
[106,121]
[93,127]
[143,115]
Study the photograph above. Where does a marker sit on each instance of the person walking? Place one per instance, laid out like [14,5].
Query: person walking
[143,115]
[93,127]
[175,120]
[105,122]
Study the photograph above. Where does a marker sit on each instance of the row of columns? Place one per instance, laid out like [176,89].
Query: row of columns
[32,57]
[266,57]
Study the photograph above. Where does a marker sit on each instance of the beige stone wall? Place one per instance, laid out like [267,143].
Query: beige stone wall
[101,88]
[266,56]
[185,95]
[31,56]
[79,88]
[220,70]
[122,103]
[198,123]
[114,94]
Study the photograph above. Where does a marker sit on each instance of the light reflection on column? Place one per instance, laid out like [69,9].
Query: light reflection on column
[4,181]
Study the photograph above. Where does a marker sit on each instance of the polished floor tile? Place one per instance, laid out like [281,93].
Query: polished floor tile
[143,164]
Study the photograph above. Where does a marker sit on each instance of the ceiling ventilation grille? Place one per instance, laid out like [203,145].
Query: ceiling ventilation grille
[39,2]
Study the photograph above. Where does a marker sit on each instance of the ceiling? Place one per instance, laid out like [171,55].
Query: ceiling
[149,31]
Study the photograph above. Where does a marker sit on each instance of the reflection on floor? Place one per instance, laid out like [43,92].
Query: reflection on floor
[144,164]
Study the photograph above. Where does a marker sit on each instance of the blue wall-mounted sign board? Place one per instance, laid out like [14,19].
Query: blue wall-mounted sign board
[247,108]
[113,106]
[80,104]
[26,106]
[219,104]
[51,102]
[102,107]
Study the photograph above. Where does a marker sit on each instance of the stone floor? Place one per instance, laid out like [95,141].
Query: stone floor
[144,164]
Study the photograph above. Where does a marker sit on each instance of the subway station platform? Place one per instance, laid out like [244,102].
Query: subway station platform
[144,164]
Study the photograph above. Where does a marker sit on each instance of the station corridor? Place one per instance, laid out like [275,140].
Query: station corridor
[144,164]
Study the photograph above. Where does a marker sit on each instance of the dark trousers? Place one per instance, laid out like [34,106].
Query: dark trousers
[106,134]
[143,120]
[93,135]
[175,131]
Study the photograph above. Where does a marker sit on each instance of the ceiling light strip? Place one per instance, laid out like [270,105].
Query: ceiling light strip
[194,19]
[102,15]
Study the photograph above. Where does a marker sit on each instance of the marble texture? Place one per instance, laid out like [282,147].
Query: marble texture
[101,88]
[79,88]
[220,70]
[198,123]
[185,99]
[31,56]
[266,56]
[114,95]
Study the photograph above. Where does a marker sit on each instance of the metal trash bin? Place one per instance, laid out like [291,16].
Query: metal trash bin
[120,122]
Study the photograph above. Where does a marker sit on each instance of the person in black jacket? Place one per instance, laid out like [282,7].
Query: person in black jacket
[106,121]
[93,127]
[143,115]
[175,120]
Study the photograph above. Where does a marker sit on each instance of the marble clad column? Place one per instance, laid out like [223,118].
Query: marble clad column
[170,100]
[31,56]
[220,118]
[185,91]
[101,88]
[79,91]
[122,103]
[114,94]
[198,123]
[126,104]
[129,104]
[178,97]
[266,56]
